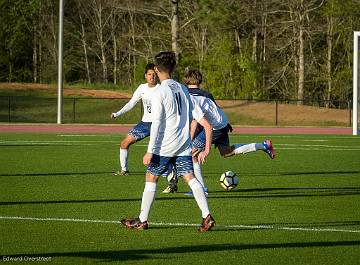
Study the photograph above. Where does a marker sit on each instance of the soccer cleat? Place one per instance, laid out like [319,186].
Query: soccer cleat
[134,223]
[121,173]
[173,180]
[173,185]
[172,176]
[207,224]
[168,189]
[269,148]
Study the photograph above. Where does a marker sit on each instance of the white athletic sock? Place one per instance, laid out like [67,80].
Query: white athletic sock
[124,159]
[244,148]
[147,200]
[198,174]
[200,197]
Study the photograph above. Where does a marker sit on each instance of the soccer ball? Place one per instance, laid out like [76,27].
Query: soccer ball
[229,180]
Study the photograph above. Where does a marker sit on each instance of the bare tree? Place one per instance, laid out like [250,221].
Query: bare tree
[175,27]
[47,46]
[329,42]
[194,31]
[98,13]
[114,31]
[301,56]
[299,11]
[84,42]
[297,15]
[35,54]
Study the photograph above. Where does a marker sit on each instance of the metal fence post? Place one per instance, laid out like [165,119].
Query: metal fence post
[74,103]
[9,107]
[350,114]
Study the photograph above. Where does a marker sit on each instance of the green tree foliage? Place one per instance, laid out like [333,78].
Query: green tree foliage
[16,30]
[245,48]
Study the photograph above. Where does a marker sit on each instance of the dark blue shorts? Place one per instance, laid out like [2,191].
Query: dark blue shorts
[141,130]
[219,137]
[162,165]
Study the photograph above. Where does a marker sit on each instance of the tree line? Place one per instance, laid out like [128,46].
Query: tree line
[270,49]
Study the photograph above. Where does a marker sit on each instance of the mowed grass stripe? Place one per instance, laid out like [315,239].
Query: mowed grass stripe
[300,208]
[309,147]
[269,227]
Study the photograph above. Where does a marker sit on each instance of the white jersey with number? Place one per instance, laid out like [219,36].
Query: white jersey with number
[205,107]
[145,93]
[172,115]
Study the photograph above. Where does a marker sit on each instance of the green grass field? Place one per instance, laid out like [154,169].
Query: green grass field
[59,202]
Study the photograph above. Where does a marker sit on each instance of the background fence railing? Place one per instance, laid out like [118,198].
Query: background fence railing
[29,109]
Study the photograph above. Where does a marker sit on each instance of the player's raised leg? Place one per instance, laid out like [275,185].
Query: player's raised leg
[236,149]
[268,148]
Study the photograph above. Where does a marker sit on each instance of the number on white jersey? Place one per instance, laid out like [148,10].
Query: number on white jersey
[178,101]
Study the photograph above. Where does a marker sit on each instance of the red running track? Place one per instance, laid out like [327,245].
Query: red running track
[117,129]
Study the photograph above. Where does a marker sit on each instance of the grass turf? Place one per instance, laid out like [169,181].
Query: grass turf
[301,208]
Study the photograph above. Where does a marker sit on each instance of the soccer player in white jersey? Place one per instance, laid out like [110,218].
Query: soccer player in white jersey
[217,118]
[170,143]
[142,129]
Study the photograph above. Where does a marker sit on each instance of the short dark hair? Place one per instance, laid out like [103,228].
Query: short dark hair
[192,76]
[165,61]
[149,66]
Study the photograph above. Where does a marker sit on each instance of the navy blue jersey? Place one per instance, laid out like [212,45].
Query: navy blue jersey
[201,92]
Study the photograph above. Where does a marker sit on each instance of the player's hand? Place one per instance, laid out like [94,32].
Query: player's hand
[147,159]
[202,155]
[113,115]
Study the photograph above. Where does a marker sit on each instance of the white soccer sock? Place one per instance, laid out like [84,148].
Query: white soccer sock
[147,200]
[244,148]
[198,173]
[124,159]
[200,197]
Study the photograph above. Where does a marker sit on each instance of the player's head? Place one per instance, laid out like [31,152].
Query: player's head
[165,62]
[150,74]
[149,66]
[192,76]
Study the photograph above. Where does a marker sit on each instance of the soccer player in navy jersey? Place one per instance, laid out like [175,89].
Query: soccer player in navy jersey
[210,111]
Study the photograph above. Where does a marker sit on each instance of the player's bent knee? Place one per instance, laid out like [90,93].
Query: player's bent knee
[225,151]
[188,177]
[127,142]
[151,178]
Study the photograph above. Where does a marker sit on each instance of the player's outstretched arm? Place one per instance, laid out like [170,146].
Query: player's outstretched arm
[128,106]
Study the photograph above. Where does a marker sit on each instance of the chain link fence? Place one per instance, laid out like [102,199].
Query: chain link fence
[18,109]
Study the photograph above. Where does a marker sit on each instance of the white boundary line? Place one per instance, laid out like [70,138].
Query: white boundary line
[269,227]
